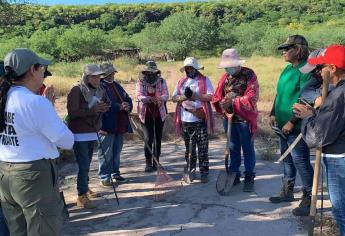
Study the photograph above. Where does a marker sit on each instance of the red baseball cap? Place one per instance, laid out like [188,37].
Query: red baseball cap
[334,54]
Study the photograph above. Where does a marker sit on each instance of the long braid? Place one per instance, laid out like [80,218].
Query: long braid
[5,86]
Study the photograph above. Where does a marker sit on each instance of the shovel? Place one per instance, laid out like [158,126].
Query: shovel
[310,222]
[187,172]
[226,177]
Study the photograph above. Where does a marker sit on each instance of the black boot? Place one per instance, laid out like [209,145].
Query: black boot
[248,183]
[304,206]
[148,167]
[286,194]
[237,180]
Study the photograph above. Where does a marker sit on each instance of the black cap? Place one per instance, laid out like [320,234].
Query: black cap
[293,40]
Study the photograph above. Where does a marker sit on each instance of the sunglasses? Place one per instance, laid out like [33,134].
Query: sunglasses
[44,67]
[288,48]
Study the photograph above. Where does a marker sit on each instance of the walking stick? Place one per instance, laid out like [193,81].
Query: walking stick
[311,220]
[108,168]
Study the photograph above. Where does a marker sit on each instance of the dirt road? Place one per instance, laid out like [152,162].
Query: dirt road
[194,209]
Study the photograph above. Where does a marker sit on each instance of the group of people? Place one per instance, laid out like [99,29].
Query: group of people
[99,114]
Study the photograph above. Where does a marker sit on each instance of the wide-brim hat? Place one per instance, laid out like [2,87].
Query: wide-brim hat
[307,68]
[92,69]
[151,66]
[191,62]
[108,68]
[230,58]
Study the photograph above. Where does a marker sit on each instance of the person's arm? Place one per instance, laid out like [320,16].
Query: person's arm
[176,97]
[324,127]
[73,105]
[50,125]
[311,90]
[140,93]
[165,92]
[205,97]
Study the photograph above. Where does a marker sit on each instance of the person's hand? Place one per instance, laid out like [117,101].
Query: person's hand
[102,132]
[125,106]
[302,111]
[49,93]
[272,121]
[317,102]
[179,98]
[288,127]
[100,107]
[157,101]
[225,103]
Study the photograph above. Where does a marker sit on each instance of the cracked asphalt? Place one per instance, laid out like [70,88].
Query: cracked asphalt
[194,209]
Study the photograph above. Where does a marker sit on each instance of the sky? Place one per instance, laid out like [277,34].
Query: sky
[84,2]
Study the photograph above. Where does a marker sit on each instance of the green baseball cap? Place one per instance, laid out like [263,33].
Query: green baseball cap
[20,60]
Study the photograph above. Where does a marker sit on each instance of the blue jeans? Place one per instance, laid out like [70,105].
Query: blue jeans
[298,159]
[335,169]
[3,226]
[109,151]
[83,152]
[241,138]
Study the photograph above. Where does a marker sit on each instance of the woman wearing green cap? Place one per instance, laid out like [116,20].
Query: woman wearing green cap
[28,145]
[3,224]
[290,83]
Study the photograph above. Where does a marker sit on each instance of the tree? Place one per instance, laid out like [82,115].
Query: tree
[11,13]
[181,33]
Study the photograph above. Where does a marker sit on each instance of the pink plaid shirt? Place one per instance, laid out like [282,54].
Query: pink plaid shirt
[143,98]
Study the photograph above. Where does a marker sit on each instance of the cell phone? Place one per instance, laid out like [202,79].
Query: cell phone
[304,102]
[278,131]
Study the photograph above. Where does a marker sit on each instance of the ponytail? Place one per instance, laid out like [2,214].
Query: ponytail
[5,85]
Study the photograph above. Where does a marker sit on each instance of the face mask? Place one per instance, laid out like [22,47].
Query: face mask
[151,78]
[192,74]
[231,70]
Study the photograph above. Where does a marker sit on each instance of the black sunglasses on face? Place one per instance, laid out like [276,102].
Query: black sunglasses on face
[288,48]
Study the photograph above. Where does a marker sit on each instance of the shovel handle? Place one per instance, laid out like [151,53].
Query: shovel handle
[312,212]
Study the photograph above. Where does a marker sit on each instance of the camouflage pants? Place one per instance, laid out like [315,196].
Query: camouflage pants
[199,135]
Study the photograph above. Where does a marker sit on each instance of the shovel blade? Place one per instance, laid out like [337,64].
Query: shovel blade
[225,182]
[309,223]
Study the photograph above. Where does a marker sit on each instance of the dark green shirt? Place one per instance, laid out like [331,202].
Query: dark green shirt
[290,84]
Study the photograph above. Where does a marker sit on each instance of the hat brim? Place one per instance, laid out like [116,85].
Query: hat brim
[201,67]
[285,45]
[151,70]
[227,64]
[97,73]
[316,61]
[307,68]
[104,75]
[44,62]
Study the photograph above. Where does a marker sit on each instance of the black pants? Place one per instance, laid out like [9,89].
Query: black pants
[151,126]
[198,131]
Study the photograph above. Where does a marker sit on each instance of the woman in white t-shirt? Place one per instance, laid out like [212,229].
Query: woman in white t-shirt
[194,116]
[30,132]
